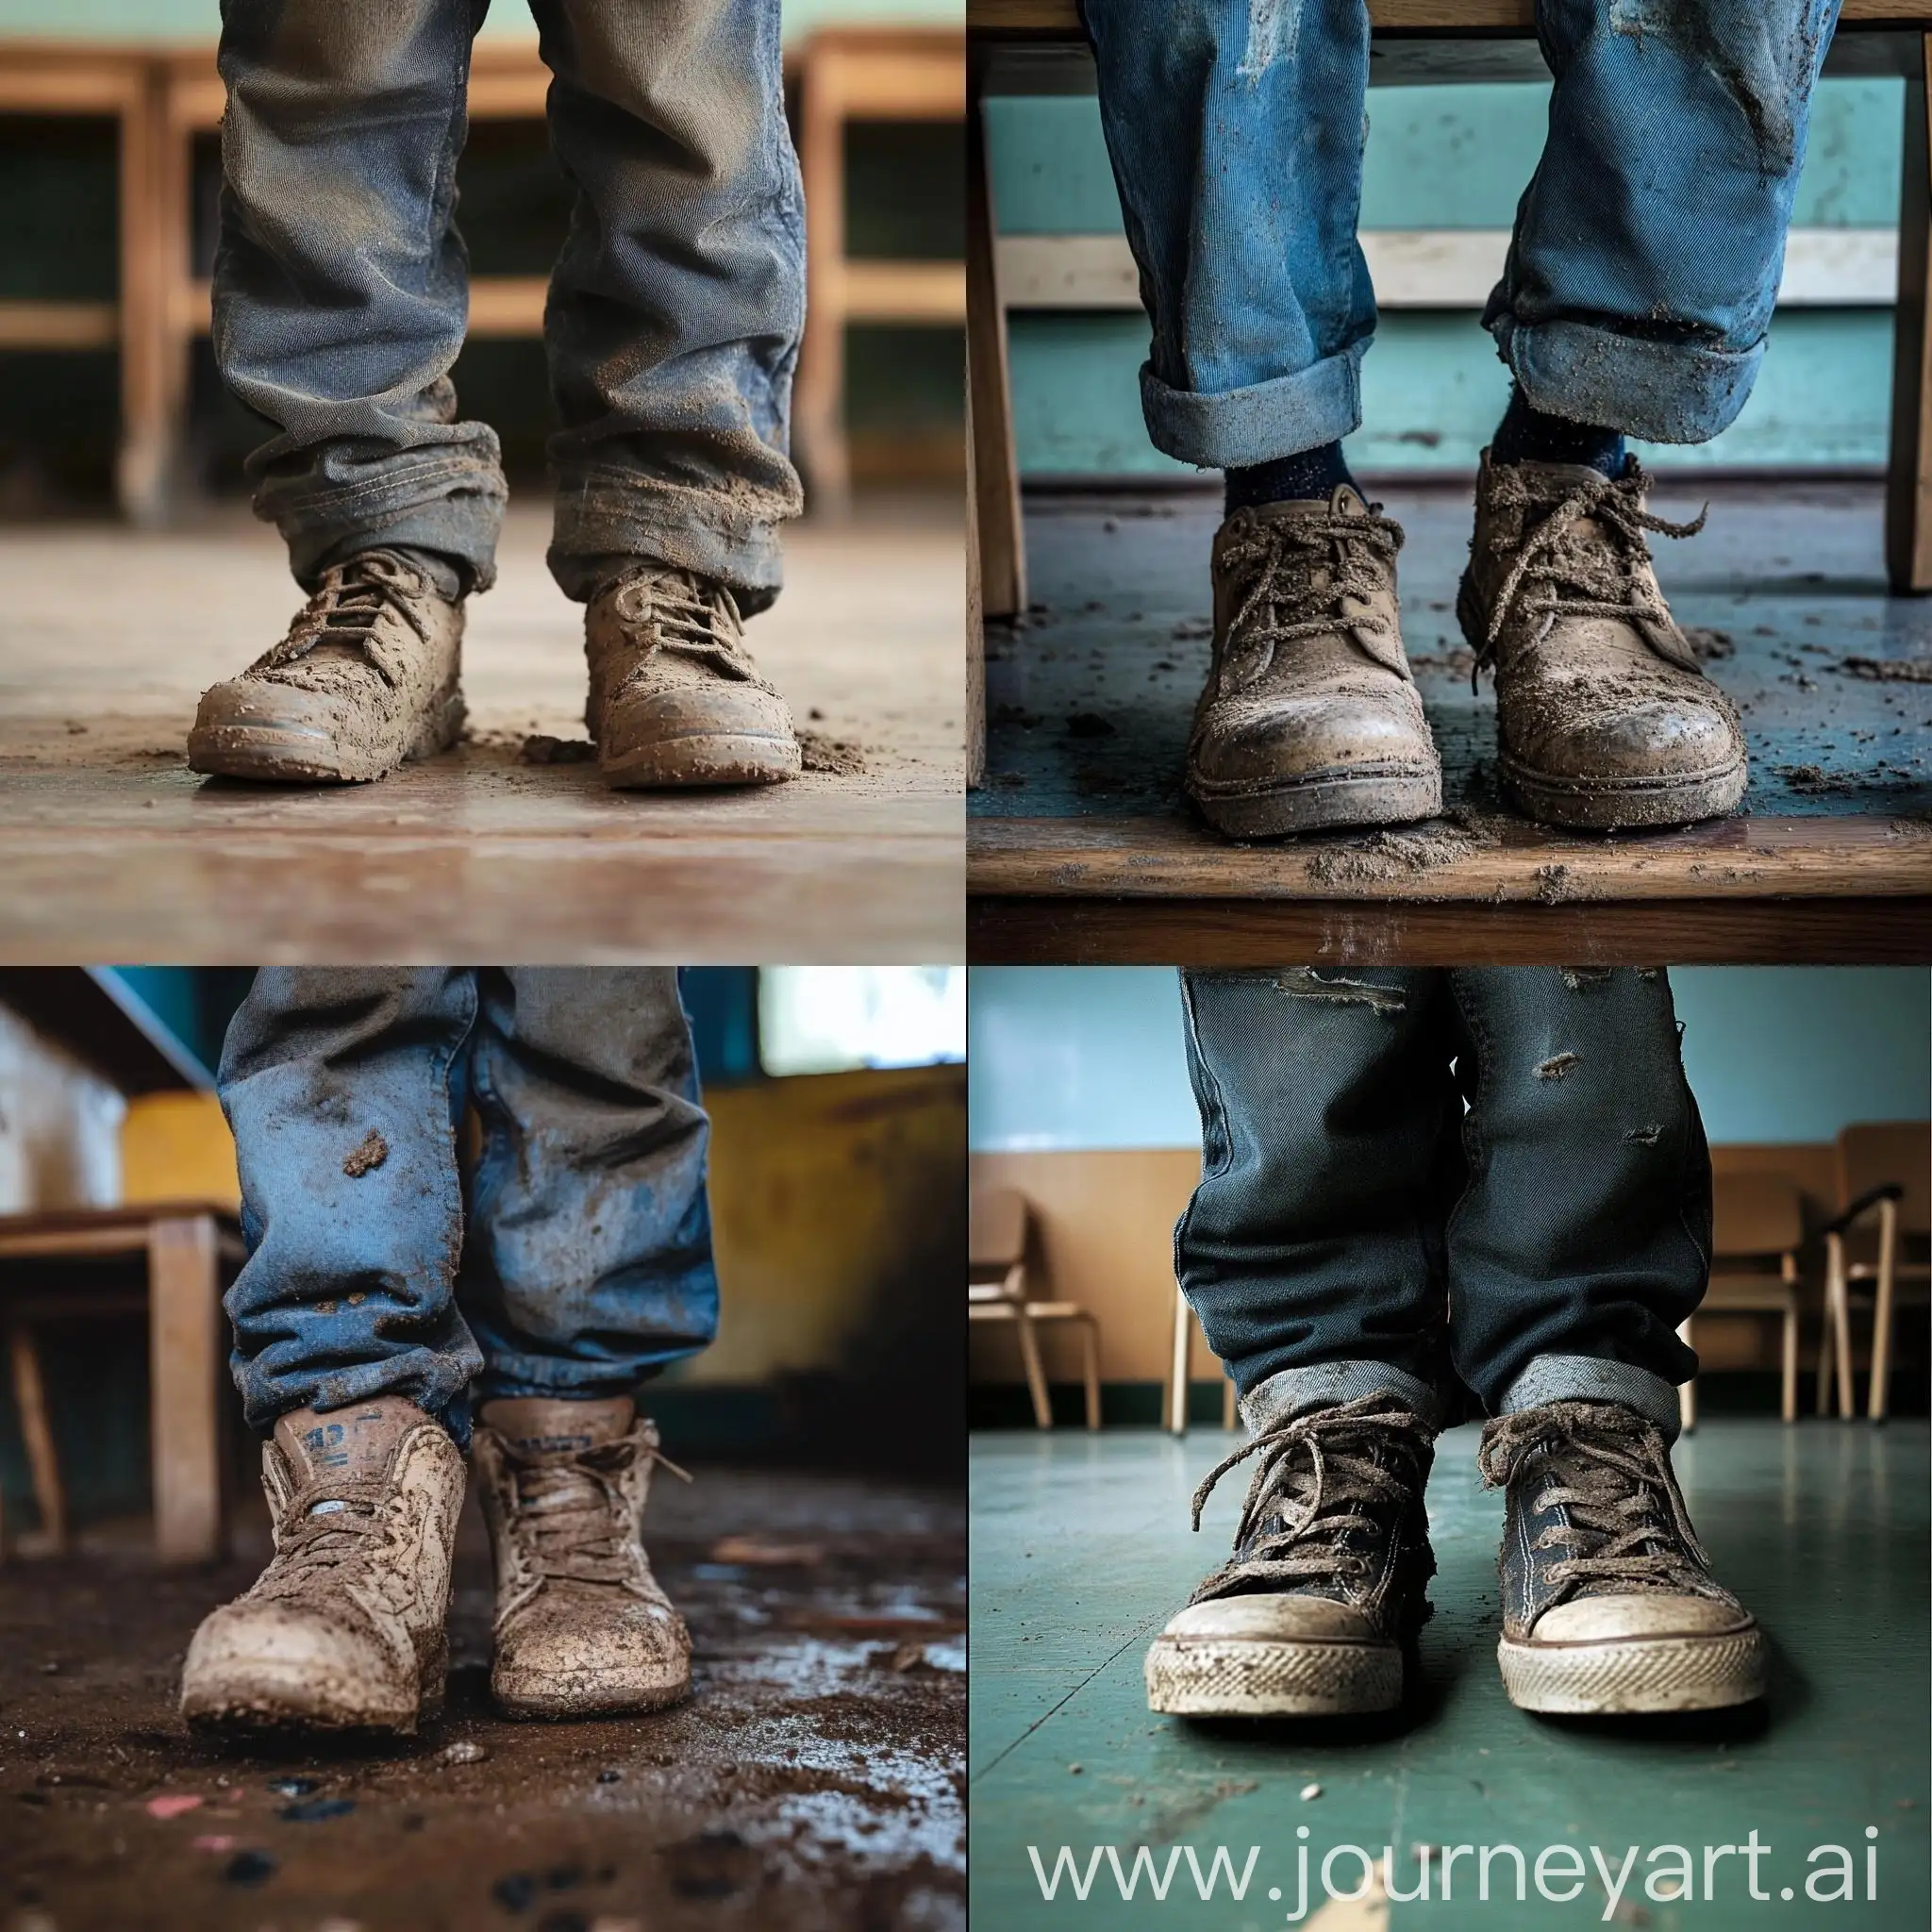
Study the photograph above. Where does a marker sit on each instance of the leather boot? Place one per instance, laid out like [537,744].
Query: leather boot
[675,699]
[1310,716]
[368,677]
[582,1626]
[1603,716]
[345,1629]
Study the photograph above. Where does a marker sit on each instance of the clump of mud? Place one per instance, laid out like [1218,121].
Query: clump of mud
[540,748]
[1394,855]
[1889,669]
[836,757]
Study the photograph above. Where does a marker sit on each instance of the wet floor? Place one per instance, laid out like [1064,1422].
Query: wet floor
[814,1780]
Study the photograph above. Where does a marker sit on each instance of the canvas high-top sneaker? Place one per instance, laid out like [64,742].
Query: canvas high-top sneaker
[1608,1603]
[1326,1588]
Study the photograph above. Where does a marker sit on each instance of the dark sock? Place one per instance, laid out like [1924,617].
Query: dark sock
[1527,436]
[1309,474]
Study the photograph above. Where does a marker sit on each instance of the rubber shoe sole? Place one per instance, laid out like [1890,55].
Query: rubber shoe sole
[288,754]
[1191,1676]
[1324,802]
[708,759]
[1635,1674]
[1606,805]
[567,1697]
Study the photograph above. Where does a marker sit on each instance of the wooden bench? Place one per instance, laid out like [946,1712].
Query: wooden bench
[183,1246]
[1086,858]
[162,99]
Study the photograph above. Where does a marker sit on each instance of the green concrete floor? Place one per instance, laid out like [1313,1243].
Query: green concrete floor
[1081,1551]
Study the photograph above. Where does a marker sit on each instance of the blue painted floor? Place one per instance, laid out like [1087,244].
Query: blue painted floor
[1081,1551]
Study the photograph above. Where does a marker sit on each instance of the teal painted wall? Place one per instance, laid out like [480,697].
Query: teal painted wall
[1091,1056]
[200,20]
[1441,158]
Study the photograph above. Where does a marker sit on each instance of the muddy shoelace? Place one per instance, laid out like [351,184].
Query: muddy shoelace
[672,611]
[347,606]
[326,1524]
[1558,573]
[572,1518]
[1277,561]
[1610,1471]
[1316,1471]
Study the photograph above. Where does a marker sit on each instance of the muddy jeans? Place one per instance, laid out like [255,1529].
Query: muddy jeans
[1647,246]
[340,283]
[572,1260]
[1511,1151]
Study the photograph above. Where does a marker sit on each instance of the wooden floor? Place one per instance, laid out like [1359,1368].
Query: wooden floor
[1081,845]
[112,849]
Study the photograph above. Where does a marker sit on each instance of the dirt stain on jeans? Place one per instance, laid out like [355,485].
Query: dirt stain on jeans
[1558,1066]
[368,1156]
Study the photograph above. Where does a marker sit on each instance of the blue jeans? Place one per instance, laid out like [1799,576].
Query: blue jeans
[1498,1168]
[1647,247]
[573,1259]
[340,283]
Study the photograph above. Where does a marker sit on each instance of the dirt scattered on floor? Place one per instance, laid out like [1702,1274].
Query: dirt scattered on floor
[815,1779]
[1889,669]
[1087,724]
[540,748]
[1393,855]
[1814,780]
[1707,644]
[367,1157]
[837,758]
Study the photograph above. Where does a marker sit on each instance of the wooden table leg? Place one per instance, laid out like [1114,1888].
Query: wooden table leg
[818,400]
[1908,476]
[184,1381]
[30,1398]
[150,228]
[995,466]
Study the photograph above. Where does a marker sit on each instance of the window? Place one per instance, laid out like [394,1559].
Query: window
[828,1019]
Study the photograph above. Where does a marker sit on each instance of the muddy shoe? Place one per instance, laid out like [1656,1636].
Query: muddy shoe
[1326,1588]
[1310,716]
[675,699]
[1608,1603]
[368,677]
[1605,717]
[345,1629]
[582,1626]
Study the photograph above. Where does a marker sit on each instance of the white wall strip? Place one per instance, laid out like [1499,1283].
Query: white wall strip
[1439,268]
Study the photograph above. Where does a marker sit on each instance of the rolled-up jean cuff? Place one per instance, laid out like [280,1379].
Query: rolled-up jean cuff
[1326,1384]
[693,530]
[1661,392]
[1260,423]
[454,509]
[1590,1378]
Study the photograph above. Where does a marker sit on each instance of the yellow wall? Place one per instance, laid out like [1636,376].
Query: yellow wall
[1103,1235]
[176,1147]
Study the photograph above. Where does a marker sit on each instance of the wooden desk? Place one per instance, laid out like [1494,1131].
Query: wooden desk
[184,1244]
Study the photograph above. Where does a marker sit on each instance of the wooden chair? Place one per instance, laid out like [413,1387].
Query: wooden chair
[1178,1373]
[183,1245]
[996,1291]
[847,74]
[1757,1228]
[1878,1247]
